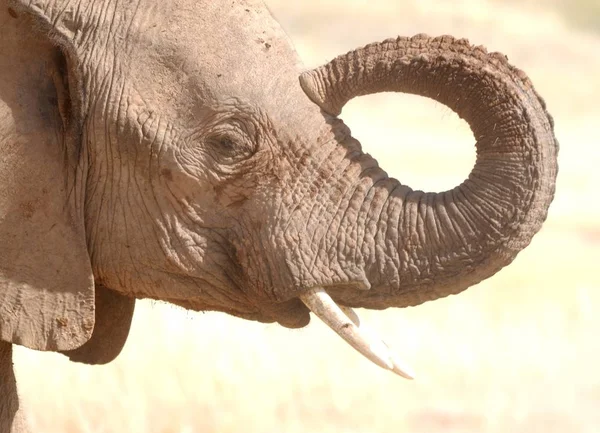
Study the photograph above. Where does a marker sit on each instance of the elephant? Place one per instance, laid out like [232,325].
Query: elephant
[178,150]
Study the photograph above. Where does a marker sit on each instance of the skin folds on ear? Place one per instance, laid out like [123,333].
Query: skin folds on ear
[114,313]
[46,282]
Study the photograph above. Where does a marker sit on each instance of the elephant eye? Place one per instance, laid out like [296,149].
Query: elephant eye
[230,144]
[227,145]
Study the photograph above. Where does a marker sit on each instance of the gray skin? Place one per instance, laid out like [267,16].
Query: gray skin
[178,150]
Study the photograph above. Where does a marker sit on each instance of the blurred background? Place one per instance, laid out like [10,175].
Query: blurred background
[517,353]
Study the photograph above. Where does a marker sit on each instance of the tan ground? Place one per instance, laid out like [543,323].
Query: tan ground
[518,353]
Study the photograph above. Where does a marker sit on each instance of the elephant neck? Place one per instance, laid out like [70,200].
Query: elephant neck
[12,419]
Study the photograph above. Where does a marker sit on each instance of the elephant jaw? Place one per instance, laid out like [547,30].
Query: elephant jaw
[345,322]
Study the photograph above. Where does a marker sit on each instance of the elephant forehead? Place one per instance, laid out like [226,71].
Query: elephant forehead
[213,50]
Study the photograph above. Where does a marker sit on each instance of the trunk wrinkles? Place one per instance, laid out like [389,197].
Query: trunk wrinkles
[420,246]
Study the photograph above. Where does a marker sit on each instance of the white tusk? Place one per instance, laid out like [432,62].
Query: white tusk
[345,322]
[350,313]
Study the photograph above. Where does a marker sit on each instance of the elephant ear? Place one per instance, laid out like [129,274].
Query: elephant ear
[114,313]
[46,282]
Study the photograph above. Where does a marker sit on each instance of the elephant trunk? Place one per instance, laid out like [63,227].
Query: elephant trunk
[419,246]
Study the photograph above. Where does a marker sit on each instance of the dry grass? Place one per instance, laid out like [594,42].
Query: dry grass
[581,14]
[518,353]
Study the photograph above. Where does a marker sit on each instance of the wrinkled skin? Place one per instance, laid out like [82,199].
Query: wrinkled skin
[171,150]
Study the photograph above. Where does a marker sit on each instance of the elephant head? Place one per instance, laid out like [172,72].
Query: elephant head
[178,150]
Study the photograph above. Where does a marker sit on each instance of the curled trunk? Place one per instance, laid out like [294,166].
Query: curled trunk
[419,246]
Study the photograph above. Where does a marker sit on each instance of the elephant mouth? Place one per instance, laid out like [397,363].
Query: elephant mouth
[291,314]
